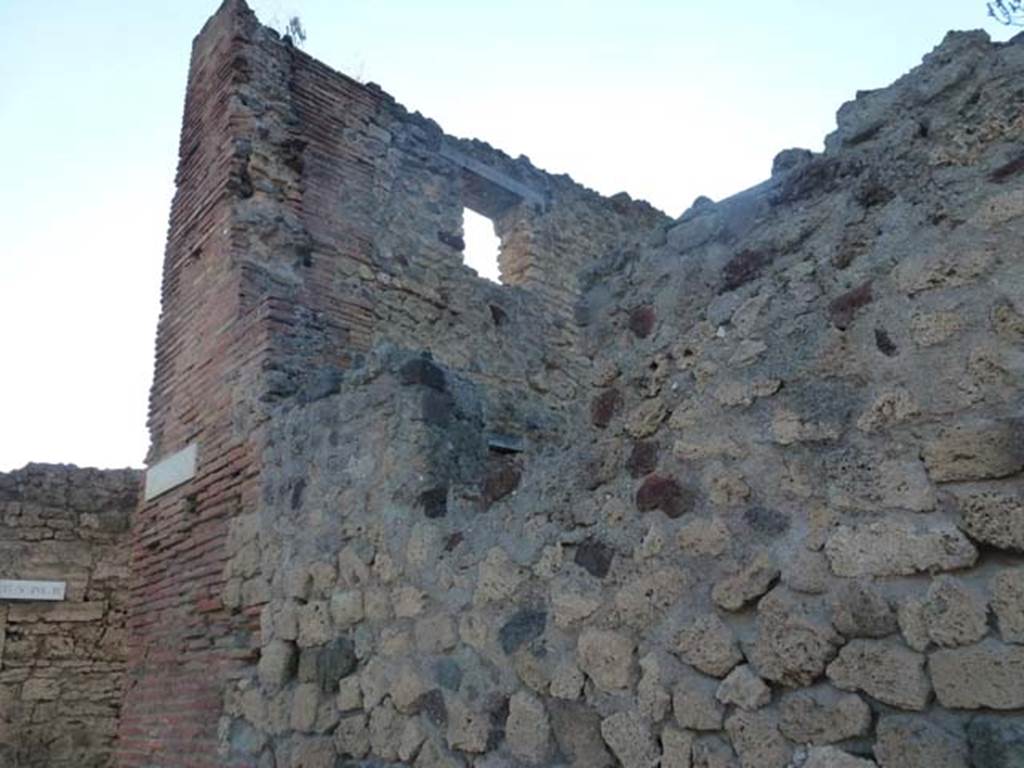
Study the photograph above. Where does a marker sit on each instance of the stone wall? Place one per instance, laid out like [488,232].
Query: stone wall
[315,219]
[740,489]
[783,528]
[62,663]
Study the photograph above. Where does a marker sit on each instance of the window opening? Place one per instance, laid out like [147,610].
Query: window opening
[482,245]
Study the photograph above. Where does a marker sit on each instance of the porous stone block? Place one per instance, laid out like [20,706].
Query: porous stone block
[822,715]
[987,674]
[859,609]
[884,670]
[527,729]
[607,659]
[750,582]
[630,740]
[708,644]
[975,451]
[676,748]
[744,689]
[954,614]
[993,517]
[792,645]
[756,738]
[1007,589]
[694,704]
[897,548]
[917,741]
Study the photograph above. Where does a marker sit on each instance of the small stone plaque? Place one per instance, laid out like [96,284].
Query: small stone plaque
[14,589]
[172,471]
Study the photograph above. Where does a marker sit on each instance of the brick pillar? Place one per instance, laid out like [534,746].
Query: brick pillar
[184,643]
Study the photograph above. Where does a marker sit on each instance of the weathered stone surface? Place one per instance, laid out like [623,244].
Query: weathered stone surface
[755,737]
[884,670]
[996,742]
[278,662]
[644,420]
[577,729]
[630,740]
[335,661]
[523,627]
[912,741]
[713,752]
[859,481]
[792,646]
[607,659]
[314,752]
[347,608]
[859,609]
[988,674]
[527,729]
[352,736]
[708,644]
[573,600]
[830,757]
[897,548]
[305,702]
[954,614]
[1007,589]
[468,727]
[751,582]
[807,571]
[822,715]
[648,595]
[652,698]
[994,517]
[975,451]
[314,624]
[744,689]
[676,748]
[694,704]
[707,538]
[595,557]
[664,493]
[567,681]
[913,623]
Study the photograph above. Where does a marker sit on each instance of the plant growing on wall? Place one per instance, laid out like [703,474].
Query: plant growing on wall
[1009,12]
[295,31]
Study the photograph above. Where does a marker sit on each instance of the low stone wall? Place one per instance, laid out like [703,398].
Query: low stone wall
[62,663]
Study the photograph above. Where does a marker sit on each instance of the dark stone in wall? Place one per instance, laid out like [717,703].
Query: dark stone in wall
[435,502]
[432,705]
[334,662]
[770,522]
[605,407]
[595,557]
[503,476]
[664,493]
[996,742]
[844,307]
[744,267]
[524,626]
[643,459]
[423,372]
[641,321]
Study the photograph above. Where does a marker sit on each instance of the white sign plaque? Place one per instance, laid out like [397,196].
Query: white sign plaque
[13,589]
[171,471]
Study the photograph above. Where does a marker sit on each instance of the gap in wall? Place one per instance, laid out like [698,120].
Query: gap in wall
[482,245]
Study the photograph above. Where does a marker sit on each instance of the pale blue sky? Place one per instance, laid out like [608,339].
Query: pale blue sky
[667,100]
